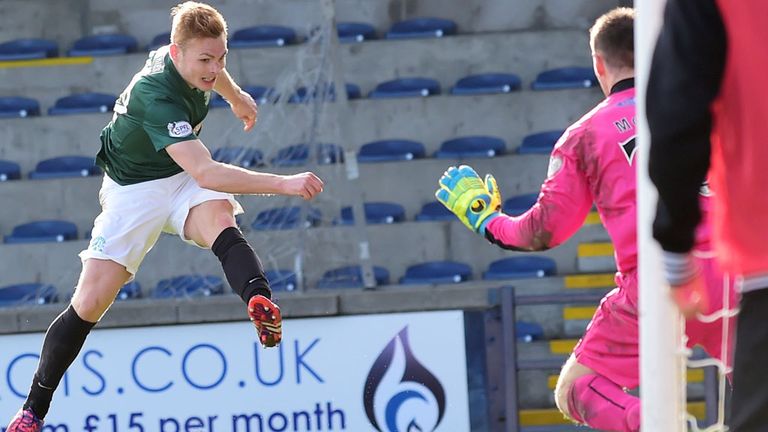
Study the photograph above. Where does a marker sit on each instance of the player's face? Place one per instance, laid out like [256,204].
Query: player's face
[200,60]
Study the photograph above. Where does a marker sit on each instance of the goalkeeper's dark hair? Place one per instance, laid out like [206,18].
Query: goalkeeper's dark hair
[613,36]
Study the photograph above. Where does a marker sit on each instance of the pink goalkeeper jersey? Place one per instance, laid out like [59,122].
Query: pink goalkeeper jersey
[591,163]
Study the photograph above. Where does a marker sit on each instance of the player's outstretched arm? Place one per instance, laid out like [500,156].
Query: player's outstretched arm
[195,159]
[242,104]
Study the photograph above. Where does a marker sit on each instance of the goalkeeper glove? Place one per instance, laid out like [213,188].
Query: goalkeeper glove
[473,201]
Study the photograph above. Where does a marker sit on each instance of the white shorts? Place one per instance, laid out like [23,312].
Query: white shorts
[133,216]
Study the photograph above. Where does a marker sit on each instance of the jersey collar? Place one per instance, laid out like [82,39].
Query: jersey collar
[177,79]
[622,85]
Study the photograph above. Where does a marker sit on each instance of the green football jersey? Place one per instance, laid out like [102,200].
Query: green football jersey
[157,109]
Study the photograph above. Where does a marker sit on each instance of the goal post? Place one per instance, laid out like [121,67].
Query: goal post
[662,362]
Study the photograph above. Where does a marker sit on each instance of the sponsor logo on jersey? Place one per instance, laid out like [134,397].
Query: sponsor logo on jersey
[179,129]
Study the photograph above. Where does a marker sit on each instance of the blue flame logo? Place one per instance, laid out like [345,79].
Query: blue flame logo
[414,373]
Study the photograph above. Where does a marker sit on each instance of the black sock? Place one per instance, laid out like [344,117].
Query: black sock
[62,343]
[241,265]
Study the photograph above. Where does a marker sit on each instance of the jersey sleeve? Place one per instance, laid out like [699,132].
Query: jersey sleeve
[560,210]
[167,123]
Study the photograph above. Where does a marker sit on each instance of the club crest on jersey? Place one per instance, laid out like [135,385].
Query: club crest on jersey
[179,129]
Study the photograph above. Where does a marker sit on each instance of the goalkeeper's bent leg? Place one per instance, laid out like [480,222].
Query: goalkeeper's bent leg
[592,399]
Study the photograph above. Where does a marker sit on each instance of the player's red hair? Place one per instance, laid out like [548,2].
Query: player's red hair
[196,20]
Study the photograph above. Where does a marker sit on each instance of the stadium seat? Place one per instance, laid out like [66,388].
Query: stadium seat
[519,267]
[437,272]
[406,87]
[263,36]
[540,142]
[104,45]
[42,231]
[488,83]
[282,218]
[28,49]
[298,155]
[391,150]
[528,331]
[245,157]
[565,78]
[471,147]
[350,32]
[9,171]
[189,286]
[302,95]
[281,280]
[519,204]
[83,103]
[129,291]
[27,294]
[351,277]
[159,40]
[435,211]
[375,213]
[65,166]
[415,28]
[12,106]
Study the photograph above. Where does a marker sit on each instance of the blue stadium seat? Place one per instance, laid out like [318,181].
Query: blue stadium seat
[189,286]
[528,331]
[471,147]
[83,103]
[375,213]
[519,267]
[437,272]
[159,40]
[27,294]
[260,94]
[281,280]
[43,231]
[519,204]
[9,171]
[298,155]
[282,218]
[263,36]
[351,277]
[350,32]
[104,45]
[565,78]
[487,83]
[245,157]
[406,87]
[65,166]
[391,150]
[327,92]
[28,49]
[435,211]
[540,142]
[422,28]
[12,106]
[129,291]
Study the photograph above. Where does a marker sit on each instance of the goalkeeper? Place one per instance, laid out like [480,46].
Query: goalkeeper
[592,163]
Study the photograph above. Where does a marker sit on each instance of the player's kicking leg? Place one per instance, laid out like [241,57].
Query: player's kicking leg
[212,224]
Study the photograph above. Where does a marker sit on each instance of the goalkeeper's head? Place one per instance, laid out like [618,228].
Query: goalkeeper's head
[612,40]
